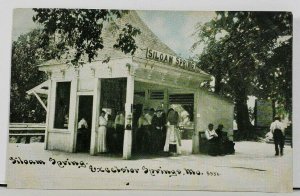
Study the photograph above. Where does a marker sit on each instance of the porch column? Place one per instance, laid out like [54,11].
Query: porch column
[50,99]
[166,100]
[147,96]
[95,117]
[195,140]
[72,114]
[127,147]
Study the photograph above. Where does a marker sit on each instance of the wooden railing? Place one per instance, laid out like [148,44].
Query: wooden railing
[27,131]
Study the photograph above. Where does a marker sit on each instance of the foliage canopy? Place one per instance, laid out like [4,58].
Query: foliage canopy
[76,34]
[248,53]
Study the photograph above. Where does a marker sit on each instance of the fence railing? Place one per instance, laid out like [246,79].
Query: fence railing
[26,131]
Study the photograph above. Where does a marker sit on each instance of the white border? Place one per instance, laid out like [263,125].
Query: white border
[6,8]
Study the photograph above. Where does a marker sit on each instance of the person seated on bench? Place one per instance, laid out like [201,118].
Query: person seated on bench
[213,141]
[221,134]
[226,146]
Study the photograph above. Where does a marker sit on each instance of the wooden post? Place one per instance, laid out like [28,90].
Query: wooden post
[166,100]
[195,141]
[49,101]
[127,147]
[72,127]
[147,96]
[96,109]
[40,100]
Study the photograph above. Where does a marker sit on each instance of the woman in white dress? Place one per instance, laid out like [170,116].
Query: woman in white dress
[173,140]
[102,133]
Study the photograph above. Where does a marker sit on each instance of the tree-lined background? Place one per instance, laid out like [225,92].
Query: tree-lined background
[247,53]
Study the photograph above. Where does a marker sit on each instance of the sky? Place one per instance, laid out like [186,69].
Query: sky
[22,22]
[174,28]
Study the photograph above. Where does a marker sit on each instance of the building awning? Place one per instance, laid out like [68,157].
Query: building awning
[150,71]
[40,90]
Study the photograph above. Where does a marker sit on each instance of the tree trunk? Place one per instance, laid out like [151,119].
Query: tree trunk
[218,87]
[273,108]
[244,125]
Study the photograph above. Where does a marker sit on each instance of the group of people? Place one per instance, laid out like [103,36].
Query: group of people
[218,141]
[110,133]
[219,144]
[157,131]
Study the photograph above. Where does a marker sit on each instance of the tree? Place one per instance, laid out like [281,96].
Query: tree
[78,32]
[26,55]
[73,34]
[278,83]
[240,51]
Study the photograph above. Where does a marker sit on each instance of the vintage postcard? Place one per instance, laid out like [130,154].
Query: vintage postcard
[161,100]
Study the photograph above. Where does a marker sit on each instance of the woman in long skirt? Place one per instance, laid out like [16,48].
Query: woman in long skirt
[102,133]
[173,141]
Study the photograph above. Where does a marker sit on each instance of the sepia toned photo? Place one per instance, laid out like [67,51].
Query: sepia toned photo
[160,100]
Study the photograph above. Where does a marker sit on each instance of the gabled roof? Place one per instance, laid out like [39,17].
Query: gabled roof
[147,39]
[40,89]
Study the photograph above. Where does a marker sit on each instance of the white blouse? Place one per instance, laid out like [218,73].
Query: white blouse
[210,134]
[102,121]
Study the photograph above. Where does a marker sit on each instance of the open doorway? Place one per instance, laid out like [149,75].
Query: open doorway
[85,111]
[151,107]
[183,103]
[112,102]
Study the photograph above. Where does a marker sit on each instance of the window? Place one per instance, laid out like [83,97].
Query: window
[62,104]
[185,101]
[157,95]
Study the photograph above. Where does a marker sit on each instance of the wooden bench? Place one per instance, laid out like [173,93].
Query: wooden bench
[227,148]
[27,131]
[203,143]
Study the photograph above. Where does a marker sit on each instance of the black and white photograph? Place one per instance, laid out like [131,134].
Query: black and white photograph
[151,100]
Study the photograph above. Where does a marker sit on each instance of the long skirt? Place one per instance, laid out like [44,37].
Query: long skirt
[214,147]
[110,139]
[146,140]
[140,139]
[120,137]
[102,139]
[172,138]
[155,139]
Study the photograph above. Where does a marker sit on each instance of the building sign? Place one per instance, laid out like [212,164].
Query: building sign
[171,60]
[263,113]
